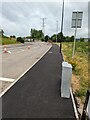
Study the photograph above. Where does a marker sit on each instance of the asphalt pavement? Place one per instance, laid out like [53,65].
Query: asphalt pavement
[21,56]
[37,93]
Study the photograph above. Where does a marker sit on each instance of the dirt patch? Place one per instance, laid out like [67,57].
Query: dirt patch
[75,83]
[76,86]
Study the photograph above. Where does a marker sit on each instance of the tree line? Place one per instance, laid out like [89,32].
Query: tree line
[39,35]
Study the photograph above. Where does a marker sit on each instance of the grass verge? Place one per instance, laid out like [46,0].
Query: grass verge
[7,40]
[80,83]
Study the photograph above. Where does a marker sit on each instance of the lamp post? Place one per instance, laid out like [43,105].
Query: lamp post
[62,25]
[56,30]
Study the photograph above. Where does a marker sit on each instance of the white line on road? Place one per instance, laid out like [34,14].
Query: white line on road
[22,74]
[6,79]
[22,50]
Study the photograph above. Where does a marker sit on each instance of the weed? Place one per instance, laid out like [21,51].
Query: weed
[80,93]
[79,64]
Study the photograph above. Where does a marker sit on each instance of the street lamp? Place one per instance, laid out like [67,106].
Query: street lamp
[62,25]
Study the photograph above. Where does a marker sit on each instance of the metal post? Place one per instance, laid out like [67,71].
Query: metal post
[62,24]
[75,37]
[74,42]
[62,17]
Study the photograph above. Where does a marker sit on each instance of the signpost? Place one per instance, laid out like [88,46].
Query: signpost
[62,25]
[76,23]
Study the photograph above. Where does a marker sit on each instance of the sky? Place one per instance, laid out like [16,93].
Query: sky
[18,17]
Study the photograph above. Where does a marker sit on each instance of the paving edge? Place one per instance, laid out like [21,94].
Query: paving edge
[74,105]
[8,88]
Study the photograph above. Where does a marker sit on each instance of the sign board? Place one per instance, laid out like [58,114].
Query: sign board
[77,19]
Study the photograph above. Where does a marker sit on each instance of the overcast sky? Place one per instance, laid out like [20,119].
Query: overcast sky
[17,18]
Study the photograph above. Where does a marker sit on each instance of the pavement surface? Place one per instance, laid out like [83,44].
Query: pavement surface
[37,93]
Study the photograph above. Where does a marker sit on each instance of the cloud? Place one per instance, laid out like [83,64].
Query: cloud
[45,1]
[19,17]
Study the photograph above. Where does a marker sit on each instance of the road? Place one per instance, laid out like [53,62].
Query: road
[37,93]
[20,58]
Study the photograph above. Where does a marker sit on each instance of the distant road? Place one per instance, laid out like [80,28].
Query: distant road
[21,58]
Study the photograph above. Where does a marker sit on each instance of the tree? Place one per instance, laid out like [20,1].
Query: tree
[1,32]
[60,37]
[20,39]
[64,39]
[28,37]
[67,39]
[14,36]
[71,38]
[46,38]
[81,39]
[53,37]
[37,34]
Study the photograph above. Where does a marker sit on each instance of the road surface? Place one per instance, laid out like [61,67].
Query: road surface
[20,58]
[37,93]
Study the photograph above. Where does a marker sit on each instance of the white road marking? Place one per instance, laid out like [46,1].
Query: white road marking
[6,79]
[21,50]
[9,52]
[50,52]
[23,74]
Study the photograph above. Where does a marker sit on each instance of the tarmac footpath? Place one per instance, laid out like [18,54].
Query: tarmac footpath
[37,93]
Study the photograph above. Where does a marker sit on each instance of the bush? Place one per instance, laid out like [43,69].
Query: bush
[19,39]
[81,39]
[42,40]
[73,63]
[80,93]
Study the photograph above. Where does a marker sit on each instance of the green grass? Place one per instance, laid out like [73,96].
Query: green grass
[7,40]
[80,63]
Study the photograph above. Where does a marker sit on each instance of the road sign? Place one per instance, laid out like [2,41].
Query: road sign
[76,23]
[77,19]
